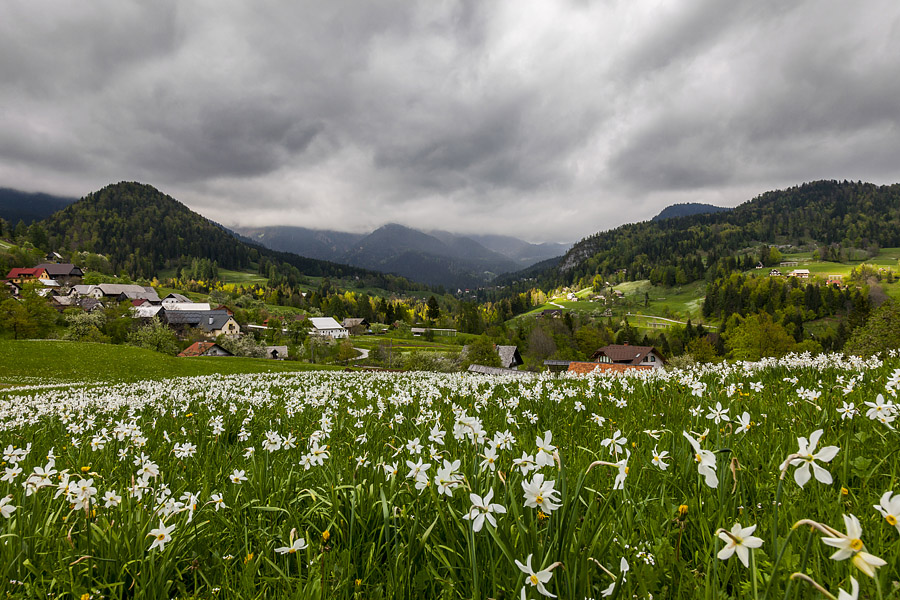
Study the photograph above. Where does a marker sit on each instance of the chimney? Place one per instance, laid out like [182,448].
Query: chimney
[210,320]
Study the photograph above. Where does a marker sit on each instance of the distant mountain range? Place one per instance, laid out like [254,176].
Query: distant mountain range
[830,215]
[28,207]
[434,257]
[143,231]
[688,209]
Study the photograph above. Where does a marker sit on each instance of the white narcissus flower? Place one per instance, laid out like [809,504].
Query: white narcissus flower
[659,458]
[706,462]
[295,545]
[161,535]
[850,545]
[743,422]
[218,501]
[718,414]
[854,591]
[536,579]
[739,540]
[807,457]
[890,509]
[482,509]
[622,465]
[490,459]
[540,494]
[6,509]
[623,568]
[544,456]
[447,477]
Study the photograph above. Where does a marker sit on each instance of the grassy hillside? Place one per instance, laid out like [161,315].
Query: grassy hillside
[34,362]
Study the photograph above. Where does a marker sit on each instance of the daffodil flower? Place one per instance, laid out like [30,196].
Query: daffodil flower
[161,535]
[806,458]
[706,462]
[850,545]
[540,494]
[537,579]
[482,509]
[890,509]
[738,541]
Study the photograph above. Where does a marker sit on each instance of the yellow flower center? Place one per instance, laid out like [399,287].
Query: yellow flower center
[160,536]
[697,458]
[533,579]
[891,519]
[539,499]
[626,470]
[856,544]
[292,551]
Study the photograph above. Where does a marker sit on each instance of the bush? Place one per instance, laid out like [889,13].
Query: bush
[155,336]
[246,345]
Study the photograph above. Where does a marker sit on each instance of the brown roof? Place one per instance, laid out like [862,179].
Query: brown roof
[583,368]
[197,349]
[625,353]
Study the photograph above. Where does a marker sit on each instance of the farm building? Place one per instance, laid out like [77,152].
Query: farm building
[327,327]
[205,349]
[625,354]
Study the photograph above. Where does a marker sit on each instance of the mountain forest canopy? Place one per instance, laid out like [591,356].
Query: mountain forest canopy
[143,231]
[831,215]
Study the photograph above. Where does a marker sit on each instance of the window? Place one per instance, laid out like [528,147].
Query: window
[652,358]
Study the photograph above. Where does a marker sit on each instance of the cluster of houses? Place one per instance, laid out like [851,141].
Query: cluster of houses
[61,284]
[615,358]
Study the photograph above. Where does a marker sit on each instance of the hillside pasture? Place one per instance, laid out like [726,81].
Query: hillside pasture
[28,362]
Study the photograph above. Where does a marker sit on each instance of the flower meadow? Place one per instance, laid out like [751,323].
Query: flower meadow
[776,479]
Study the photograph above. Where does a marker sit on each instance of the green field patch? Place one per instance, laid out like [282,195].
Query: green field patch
[26,362]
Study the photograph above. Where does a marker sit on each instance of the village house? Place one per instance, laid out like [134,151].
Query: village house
[174,298]
[625,354]
[800,273]
[775,273]
[510,357]
[276,352]
[66,274]
[117,292]
[327,327]
[14,288]
[205,349]
[23,276]
[554,313]
[356,326]
[212,323]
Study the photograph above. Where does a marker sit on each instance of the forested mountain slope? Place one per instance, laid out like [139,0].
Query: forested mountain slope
[823,213]
[142,231]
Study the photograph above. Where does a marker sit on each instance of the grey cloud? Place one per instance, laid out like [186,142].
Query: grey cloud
[483,113]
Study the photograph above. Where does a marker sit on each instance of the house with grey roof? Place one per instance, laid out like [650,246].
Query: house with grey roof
[510,357]
[213,323]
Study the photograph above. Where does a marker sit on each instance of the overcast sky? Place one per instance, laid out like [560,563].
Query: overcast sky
[548,120]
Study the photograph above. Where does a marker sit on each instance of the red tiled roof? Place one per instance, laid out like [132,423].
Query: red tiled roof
[19,272]
[197,349]
[583,368]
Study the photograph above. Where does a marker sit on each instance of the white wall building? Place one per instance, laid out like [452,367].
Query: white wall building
[327,327]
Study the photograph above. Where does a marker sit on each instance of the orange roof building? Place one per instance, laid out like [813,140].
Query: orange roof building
[585,368]
[205,349]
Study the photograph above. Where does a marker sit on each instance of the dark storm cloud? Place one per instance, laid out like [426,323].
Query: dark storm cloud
[543,119]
